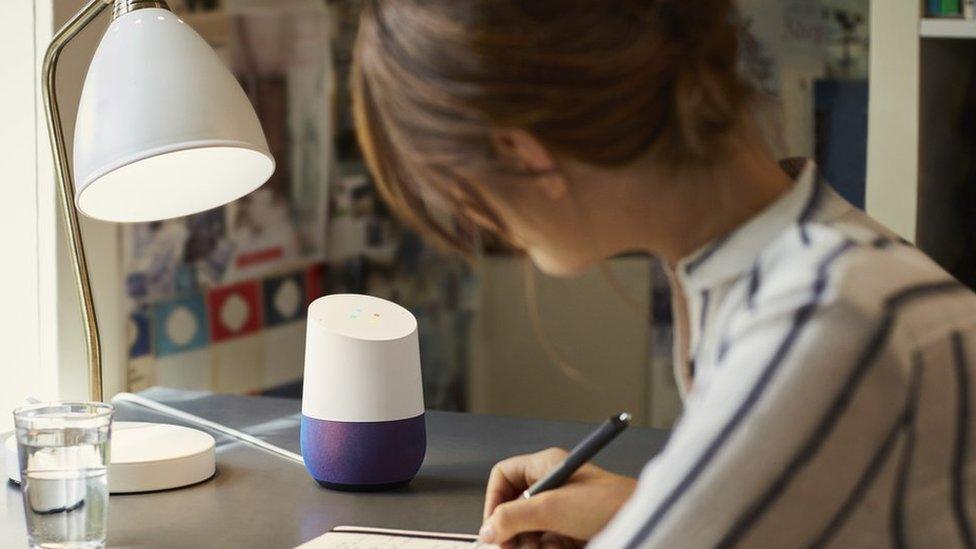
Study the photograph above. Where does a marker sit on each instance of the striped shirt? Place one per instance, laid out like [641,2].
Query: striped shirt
[828,394]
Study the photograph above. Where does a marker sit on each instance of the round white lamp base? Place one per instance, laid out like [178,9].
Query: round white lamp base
[147,457]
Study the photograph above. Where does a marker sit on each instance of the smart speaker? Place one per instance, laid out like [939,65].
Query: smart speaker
[362,401]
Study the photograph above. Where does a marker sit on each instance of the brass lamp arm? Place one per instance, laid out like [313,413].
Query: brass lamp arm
[66,188]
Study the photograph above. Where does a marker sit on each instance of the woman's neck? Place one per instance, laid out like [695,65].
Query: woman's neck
[679,213]
[719,202]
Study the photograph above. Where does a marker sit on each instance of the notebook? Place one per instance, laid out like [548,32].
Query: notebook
[362,537]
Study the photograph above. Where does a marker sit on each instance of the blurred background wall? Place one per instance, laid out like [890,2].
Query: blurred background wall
[216,301]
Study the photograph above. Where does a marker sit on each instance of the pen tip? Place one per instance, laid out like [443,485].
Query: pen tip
[624,417]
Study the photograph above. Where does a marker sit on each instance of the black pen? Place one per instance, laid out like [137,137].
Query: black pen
[583,452]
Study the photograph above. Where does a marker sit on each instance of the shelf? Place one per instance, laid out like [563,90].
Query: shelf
[948,28]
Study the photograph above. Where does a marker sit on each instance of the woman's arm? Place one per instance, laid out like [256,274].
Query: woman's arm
[784,442]
[779,448]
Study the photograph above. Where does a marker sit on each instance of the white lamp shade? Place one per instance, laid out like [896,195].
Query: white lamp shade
[163,129]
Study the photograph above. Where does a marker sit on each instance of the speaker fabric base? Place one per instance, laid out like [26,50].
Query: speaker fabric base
[363,456]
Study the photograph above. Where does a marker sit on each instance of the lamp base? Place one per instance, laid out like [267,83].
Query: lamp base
[147,457]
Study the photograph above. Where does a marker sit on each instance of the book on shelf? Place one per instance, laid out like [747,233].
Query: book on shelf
[950,8]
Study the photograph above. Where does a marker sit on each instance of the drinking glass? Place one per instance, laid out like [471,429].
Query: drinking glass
[64,454]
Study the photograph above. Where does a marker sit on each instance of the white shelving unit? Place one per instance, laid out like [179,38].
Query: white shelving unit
[948,28]
[922,132]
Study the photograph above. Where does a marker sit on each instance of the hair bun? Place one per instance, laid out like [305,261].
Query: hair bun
[603,81]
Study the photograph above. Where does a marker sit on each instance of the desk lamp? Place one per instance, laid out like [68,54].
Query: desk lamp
[163,130]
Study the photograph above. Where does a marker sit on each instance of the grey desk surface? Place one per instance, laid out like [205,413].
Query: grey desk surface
[260,500]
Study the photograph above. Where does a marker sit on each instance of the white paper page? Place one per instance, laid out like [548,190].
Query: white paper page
[356,537]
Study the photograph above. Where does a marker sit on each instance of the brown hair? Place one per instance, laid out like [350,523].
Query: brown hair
[603,81]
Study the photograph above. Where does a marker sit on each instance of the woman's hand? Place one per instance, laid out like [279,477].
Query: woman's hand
[577,510]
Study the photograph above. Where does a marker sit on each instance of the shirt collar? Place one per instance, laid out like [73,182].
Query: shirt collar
[732,255]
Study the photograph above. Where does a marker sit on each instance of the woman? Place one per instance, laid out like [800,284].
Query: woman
[825,364]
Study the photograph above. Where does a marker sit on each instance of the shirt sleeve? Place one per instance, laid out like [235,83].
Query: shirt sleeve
[779,445]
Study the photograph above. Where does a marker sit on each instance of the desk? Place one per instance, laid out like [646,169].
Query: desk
[260,500]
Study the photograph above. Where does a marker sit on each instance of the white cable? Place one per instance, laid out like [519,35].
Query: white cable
[190,418]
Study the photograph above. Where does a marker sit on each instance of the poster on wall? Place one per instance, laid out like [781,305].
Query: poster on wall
[234,271]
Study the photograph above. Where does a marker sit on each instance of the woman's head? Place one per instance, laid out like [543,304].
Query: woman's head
[505,112]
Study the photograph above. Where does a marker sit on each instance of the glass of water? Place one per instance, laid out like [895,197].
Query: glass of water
[64,456]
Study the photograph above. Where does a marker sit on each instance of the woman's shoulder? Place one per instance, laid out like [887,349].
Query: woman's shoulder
[856,263]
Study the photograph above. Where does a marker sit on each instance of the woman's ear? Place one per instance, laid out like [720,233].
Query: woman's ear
[526,152]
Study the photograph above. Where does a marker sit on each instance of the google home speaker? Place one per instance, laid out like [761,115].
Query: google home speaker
[362,401]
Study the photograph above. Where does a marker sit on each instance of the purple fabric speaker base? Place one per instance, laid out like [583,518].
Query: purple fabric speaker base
[361,456]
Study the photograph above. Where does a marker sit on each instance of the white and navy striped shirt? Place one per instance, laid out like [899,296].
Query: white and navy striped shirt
[832,391]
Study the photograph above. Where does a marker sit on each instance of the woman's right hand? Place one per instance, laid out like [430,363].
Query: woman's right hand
[578,510]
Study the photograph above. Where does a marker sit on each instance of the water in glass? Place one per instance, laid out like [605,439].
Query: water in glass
[63,450]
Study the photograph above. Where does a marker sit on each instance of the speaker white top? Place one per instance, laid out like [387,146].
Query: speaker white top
[362,360]
[362,317]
